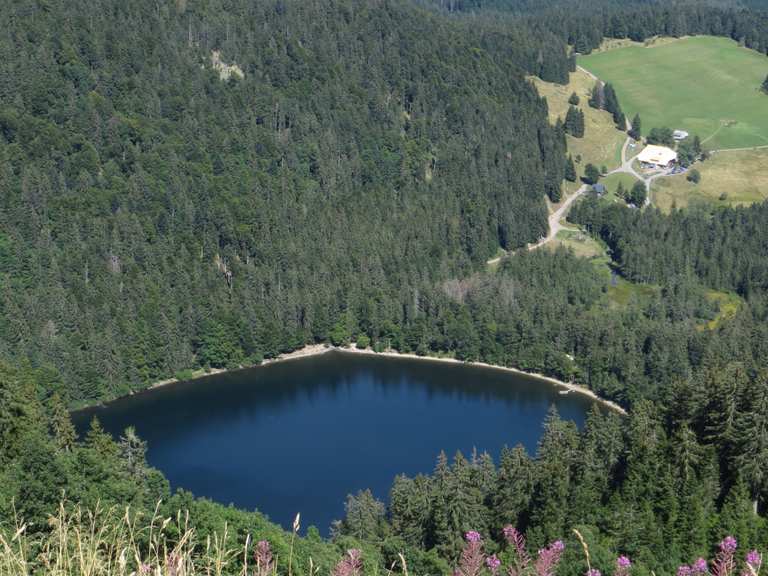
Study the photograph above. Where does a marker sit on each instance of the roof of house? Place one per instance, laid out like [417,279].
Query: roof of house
[679,134]
[599,188]
[660,155]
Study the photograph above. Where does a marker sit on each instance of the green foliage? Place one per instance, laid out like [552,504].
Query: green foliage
[638,194]
[574,99]
[661,136]
[574,122]
[693,176]
[156,219]
[591,174]
[570,170]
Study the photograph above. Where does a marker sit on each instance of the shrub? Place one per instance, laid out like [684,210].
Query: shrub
[694,176]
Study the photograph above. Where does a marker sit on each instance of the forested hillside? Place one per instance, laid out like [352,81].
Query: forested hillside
[584,23]
[156,217]
[208,183]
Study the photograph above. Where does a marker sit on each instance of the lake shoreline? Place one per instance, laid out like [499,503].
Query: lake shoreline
[318,349]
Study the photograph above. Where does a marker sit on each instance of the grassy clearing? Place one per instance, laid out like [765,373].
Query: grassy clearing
[602,143]
[705,85]
[611,184]
[582,244]
[623,292]
[727,178]
[614,43]
[728,305]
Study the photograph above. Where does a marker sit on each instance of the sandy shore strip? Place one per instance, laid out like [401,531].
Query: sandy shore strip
[317,349]
[567,386]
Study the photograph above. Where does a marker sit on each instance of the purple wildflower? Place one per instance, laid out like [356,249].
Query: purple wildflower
[754,559]
[724,563]
[623,565]
[473,536]
[549,558]
[700,567]
[263,558]
[593,572]
[728,544]
[517,540]
[493,563]
[350,565]
[472,557]
[145,568]
[684,570]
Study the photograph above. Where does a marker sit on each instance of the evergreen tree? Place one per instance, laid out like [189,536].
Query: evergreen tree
[636,129]
[570,170]
[133,451]
[409,508]
[764,86]
[621,192]
[751,440]
[514,486]
[591,174]
[574,99]
[557,451]
[363,518]
[597,96]
[611,104]
[638,194]
[574,122]
[61,424]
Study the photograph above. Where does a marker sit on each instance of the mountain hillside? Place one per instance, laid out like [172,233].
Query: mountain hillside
[160,212]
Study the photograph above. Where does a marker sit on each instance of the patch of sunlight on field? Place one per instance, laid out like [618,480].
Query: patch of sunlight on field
[708,86]
[601,144]
[582,244]
[611,184]
[727,178]
[728,305]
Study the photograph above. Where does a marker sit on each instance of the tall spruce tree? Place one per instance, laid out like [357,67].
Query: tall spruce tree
[751,440]
[570,170]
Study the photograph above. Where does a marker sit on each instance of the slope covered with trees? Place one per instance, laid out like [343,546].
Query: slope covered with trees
[348,181]
[156,217]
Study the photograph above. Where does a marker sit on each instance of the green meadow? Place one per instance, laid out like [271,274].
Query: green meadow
[705,85]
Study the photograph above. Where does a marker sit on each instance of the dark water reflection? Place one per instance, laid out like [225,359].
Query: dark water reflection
[301,435]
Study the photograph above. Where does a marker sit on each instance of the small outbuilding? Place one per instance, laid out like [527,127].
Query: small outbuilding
[679,135]
[598,189]
[658,156]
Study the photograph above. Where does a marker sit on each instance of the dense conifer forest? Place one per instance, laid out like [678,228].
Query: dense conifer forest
[191,184]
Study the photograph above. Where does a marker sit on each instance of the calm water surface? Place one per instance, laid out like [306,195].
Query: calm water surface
[301,435]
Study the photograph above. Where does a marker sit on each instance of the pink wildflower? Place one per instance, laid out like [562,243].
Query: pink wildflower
[517,540]
[728,544]
[493,563]
[700,566]
[263,558]
[724,563]
[684,571]
[473,536]
[472,557]
[549,558]
[593,572]
[754,559]
[350,565]
[623,565]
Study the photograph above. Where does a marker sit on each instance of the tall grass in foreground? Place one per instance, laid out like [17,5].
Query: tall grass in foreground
[113,542]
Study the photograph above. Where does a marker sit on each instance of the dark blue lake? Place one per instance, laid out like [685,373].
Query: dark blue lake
[301,435]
